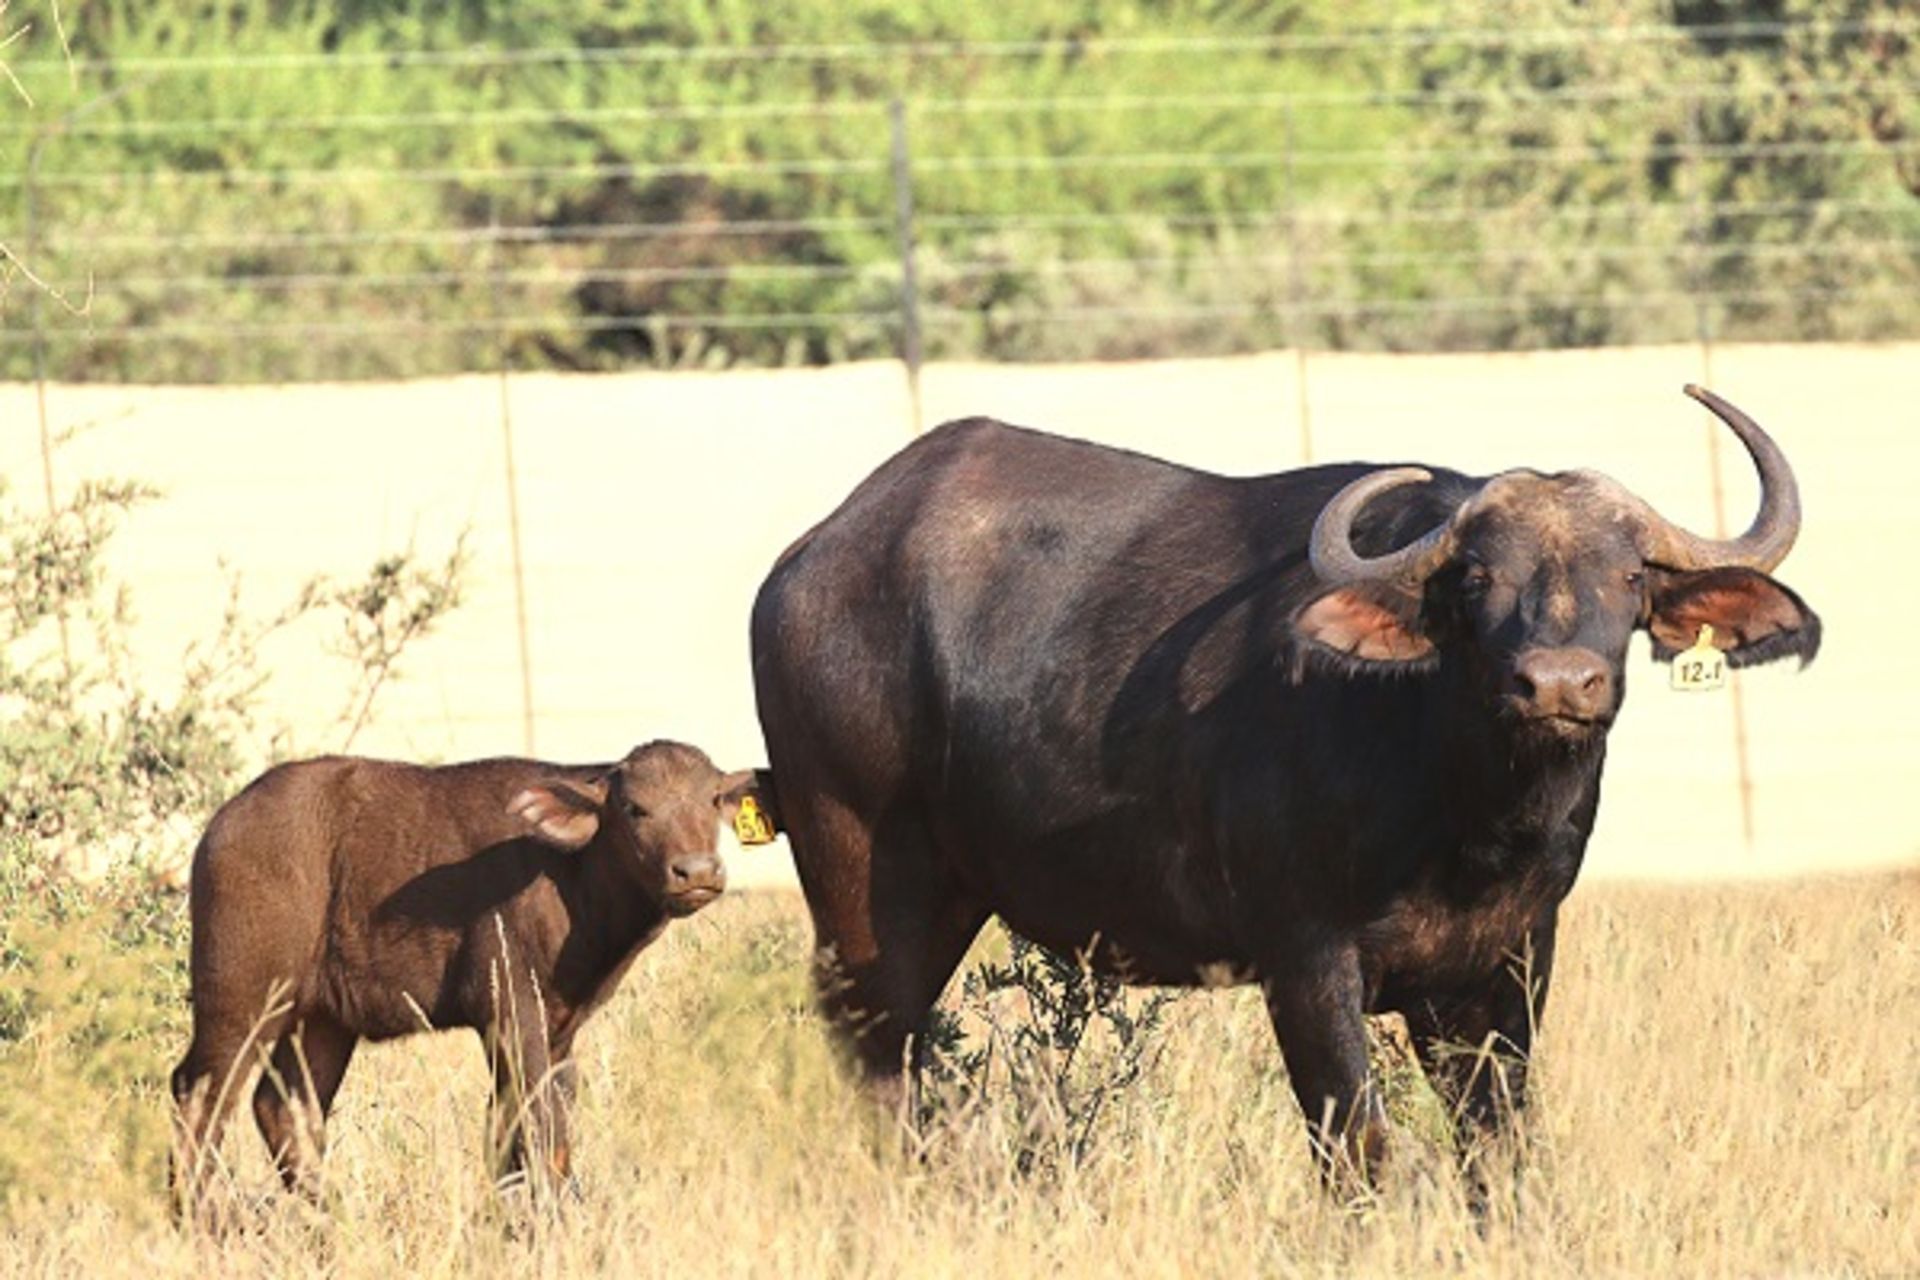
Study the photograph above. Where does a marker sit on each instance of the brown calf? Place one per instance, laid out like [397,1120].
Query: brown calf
[342,899]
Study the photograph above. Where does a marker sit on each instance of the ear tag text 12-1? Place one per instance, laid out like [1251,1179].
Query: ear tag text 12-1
[751,824]
[1702,668]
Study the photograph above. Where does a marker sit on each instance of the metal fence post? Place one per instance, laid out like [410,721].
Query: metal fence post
[1703,335]
[31,193]
[37,321]
[1702,282]
[35,318]
[909,277]
[1296,288]
[512,477]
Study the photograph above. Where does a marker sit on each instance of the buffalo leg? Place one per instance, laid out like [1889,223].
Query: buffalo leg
[296,1093]
[885,944]
[879,1010]
[1315,1002]
[1475,1041]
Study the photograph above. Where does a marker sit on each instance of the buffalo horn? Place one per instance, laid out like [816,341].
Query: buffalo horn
[1763,546]
[1768,539]
[1330,550]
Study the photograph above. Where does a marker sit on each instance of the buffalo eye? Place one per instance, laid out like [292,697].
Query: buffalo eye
[1635,579]
[1476,579]
[635,812]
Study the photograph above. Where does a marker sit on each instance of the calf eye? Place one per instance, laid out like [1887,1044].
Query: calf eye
[1635,578]
[1476,580]
[635,812]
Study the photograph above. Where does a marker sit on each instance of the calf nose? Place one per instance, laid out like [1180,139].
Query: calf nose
[1576,683]
[696,873]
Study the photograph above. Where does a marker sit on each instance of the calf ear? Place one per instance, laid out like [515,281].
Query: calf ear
[1754,618]
[1364,627]
[749,805]
[565,814]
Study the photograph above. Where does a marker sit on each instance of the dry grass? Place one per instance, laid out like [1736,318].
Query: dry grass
[1727,1088]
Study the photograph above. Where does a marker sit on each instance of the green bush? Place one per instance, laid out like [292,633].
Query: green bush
[266,191]
[99,768]
[100,771]
[92,998]
[1042,1050]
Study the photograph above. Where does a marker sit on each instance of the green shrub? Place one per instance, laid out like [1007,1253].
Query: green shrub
[100,772]
[1388,177]
[96,765]
[1042,1051]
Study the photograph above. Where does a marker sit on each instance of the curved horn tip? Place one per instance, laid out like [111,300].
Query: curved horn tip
[1766,542]
[1330,549]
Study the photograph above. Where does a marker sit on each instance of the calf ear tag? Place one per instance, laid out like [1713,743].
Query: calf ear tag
[1702,668]
[751,824]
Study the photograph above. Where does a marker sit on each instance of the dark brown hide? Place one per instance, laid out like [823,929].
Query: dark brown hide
[341,899]
[1338,730]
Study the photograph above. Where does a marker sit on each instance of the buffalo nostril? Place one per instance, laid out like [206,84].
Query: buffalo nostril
[1575,682]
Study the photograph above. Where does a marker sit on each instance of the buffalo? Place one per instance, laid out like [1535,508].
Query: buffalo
[343,899]
[1337,731]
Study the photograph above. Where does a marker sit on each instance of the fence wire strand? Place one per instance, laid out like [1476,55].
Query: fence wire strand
[508,234]
[1702,91]
[761,241]
[1388,157]
[887,51]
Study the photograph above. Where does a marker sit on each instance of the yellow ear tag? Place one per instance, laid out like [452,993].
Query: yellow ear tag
[751,824]
[1702,668]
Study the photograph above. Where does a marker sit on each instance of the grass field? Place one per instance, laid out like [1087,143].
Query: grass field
[1727,1087]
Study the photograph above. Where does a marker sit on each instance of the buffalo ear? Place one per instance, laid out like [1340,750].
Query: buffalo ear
[565,814]
[1364,626]
[1754,618]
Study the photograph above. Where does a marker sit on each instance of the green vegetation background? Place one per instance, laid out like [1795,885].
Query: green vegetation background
[1452,174]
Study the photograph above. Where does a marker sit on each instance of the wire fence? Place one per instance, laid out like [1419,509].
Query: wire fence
[250,216]
[385,213]
[1368,38]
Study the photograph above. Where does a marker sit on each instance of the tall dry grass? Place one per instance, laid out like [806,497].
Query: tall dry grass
[1727,1086]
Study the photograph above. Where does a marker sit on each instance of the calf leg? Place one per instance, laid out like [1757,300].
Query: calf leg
[207,1084]
[562,1087]
[532,1093]
[1314,998]
[296,1094]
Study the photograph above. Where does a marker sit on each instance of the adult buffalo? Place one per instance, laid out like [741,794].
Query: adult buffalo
[1338,731]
